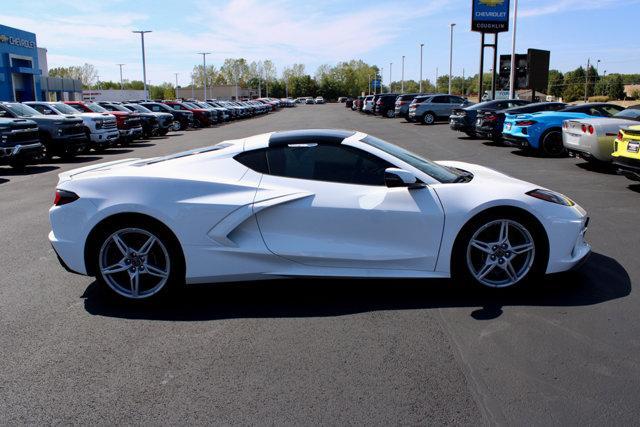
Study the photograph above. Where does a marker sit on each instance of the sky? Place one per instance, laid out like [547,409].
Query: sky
[318,32]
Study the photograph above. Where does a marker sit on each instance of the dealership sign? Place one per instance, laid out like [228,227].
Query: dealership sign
[17,41]
[490,16]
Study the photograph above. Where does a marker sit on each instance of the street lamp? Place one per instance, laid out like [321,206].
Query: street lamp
[421,46]
[597,65]
[204,71]
[176,85]
[144,62]
[121,84]
[512,76]
[402,84]
[390,79]
[451,54]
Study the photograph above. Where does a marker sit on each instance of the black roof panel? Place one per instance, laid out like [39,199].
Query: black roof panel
[319,136]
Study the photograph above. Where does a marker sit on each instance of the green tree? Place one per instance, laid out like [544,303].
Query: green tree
[574,82]
[556,83]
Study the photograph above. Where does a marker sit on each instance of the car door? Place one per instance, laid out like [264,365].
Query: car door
[327,205]
[440,106]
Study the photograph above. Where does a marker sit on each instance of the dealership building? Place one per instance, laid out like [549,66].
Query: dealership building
[24,73]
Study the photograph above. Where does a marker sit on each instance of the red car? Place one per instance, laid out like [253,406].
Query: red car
[129,124]
[201,117]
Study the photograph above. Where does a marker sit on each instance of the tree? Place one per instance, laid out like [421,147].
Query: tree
[86,73]
[198,75]
[235,71]
[269,70]
[574,82]
[556,83]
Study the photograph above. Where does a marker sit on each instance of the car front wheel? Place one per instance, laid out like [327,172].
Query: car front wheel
[137,261]
[499,251]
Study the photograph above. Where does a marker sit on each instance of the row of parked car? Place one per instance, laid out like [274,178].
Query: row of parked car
[34,131]
[601,133]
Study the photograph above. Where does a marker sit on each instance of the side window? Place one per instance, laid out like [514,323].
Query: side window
[332,163]
[440,100]
[594,112]
[610,110]
[254,159]
[455,100]
[39,108]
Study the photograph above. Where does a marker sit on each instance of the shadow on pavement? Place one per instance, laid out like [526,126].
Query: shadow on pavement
[600,279]
[604,168]
[635,187]
[29,170]
[2,180]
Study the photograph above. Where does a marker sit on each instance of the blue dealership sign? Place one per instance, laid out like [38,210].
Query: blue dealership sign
[375,84]
[490,16]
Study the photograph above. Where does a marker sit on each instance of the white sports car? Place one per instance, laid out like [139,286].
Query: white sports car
[321,203]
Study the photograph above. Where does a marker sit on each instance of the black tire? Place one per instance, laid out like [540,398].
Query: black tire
[391,114]
[551,144]
[428,118]
[408,119]
[460,269]
[471,135]
[176,268]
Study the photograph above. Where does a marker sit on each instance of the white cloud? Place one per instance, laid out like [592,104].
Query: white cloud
[550,7]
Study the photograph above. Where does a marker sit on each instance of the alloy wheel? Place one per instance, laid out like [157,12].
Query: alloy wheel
[428,119]
[134,263]
[500,253]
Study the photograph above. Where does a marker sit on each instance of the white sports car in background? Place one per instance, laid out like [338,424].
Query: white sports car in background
[321,203]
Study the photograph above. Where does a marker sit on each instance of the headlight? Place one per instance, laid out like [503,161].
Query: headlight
[551,196]
[99,123]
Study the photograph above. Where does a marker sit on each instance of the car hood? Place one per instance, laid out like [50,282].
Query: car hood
[483,174]
[608,122]
[55,119]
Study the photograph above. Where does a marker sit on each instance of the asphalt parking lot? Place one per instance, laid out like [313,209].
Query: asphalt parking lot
[325,351]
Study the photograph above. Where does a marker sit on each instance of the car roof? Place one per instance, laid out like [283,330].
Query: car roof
[318,136]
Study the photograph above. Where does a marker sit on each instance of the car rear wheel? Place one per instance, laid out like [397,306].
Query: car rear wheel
[428,119]
[138,261]
[499,251]
[551,144]
[391,114]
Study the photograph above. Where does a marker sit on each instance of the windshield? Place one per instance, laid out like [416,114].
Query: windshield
[119,107]
[430,168]
[629,113]
[96,108]
[138,108]
[22,110]
[191,105]
[64,109]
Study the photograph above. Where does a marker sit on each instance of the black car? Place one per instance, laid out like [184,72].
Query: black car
[182,119]
[348,103]
[489,122]
[386,105]
[165,120]
[464,119]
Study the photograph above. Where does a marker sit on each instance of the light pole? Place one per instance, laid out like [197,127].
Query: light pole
[121,84]
[451,54]
[402,84]
[176,85]
[512,76]
[421,46]
[597,65]
[381,79]
[144,62]
[369,91]
[204,71]
[390,79]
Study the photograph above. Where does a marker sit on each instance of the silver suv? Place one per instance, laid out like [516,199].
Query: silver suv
[428,109]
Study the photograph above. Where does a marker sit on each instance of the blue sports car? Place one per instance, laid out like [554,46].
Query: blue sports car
[542,132]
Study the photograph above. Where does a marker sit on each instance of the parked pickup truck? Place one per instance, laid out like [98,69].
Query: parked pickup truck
[19,142]
[149,122]
[165,120]
[129,124]
[100,128]
[61,136]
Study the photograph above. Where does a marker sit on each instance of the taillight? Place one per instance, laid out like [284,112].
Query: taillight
[490,118]
[584,128]
[525,123]
[64,197]
[620,136]
[590,129]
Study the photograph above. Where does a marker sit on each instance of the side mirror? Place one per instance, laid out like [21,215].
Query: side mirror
[2,113]
[396,177]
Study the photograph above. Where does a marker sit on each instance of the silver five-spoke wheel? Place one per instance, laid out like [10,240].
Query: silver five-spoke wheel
[134,263]
[500,253]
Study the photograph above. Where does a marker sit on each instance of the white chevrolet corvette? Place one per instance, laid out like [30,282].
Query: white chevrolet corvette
[321,203]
